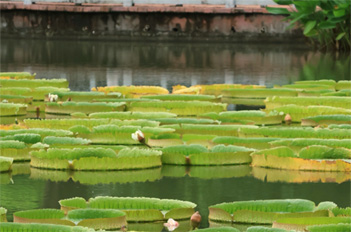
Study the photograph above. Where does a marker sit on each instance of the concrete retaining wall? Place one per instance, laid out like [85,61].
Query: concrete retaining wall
[144,22]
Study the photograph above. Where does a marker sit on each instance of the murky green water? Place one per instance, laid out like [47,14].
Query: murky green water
[90,64]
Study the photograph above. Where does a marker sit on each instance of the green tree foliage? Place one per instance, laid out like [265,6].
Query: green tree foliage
[326,22]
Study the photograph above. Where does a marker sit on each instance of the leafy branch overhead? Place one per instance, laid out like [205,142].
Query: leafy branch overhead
[326,22]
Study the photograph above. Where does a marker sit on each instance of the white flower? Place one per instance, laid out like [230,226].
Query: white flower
[5,101]
[138,136]
[53,97]
[171,224]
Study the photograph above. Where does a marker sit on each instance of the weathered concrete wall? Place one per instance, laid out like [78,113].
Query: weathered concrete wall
[133,23]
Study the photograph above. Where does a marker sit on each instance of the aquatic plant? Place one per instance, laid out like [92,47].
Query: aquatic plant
[98,218]
[178,154]
[57,141]
[340,93]
[133,91]
[326,120]
[165,121]
[297,113]
[41,131]
[219,130]
[58,83]
[310,158]
[214,89]
[3,212]
[178,107]
[340,227]
[137,122]
[72,203]
[343,85]
[39,93]
[15,90]
[300,224]
[5,163]
[12,109]
[51,216]
[264,211]
[341,102]
[15,150]
[341,126]
[308,87]
[28,138]
[112,134]
[132,115]
[298,143]
[324,152]
[55,158]
[83,107]
[341,212]
[220,229]
[199,155]
[15,99]
[264,229]
[255,116]
[36,227]
[183,97]
[294,132]
[63,123]
[316,82]
[95,158]
[83,96]
[257,143]
[138,208]
[258,93]
[17,75]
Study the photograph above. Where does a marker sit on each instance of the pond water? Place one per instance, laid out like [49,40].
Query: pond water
[89,64]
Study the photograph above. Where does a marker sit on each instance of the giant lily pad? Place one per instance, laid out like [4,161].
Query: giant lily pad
[84,107]
[64,123]
[95,159]
[264,211]
[341,102]
[314,159]
[137,209]
[185,108]
[16,75]
[300,224]
[3,212]
[59,83]
[51,216]
[36,227]
[82,96]
[199,155]
[12,109]
[15,150]
[113,134]
[5,164]
[98,218]
[326,120]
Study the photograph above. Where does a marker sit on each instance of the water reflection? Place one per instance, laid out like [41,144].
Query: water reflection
[97,177]
[294,176]
[35,188]
[87,64]
[206,172]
